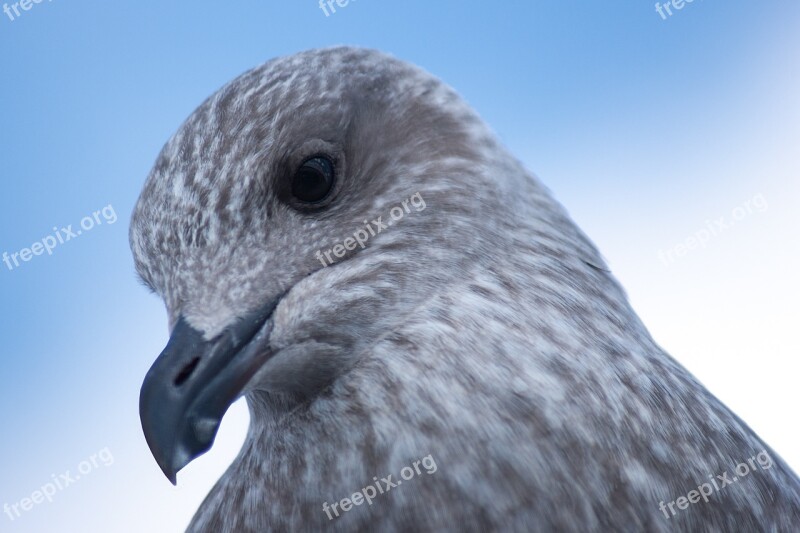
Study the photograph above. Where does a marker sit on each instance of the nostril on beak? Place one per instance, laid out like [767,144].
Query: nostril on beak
[186,373]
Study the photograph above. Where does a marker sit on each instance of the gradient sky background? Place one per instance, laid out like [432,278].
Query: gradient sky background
[644,128]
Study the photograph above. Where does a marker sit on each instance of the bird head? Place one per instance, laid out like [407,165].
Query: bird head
[296,217]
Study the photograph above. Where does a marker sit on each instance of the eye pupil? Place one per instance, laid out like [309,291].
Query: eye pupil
[313,180]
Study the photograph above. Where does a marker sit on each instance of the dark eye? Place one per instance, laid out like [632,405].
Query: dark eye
[313,180]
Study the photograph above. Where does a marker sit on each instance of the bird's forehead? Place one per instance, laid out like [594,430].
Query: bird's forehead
[270,109]
[306,86]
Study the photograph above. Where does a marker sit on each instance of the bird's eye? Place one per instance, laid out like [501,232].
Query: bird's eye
[313,180]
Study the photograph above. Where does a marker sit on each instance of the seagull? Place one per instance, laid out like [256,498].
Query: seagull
[426,341]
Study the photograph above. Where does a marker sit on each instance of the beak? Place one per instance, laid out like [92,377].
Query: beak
[193,382]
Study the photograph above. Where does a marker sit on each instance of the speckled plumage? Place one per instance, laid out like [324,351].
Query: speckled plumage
[485,330]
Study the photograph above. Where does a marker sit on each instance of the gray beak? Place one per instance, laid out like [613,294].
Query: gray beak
[193,383]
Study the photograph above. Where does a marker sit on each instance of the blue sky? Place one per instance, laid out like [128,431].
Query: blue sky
[644,128]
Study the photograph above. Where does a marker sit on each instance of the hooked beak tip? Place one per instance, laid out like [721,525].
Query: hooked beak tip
[193,382]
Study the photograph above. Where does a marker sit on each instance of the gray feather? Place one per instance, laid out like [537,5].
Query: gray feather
[485,330]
